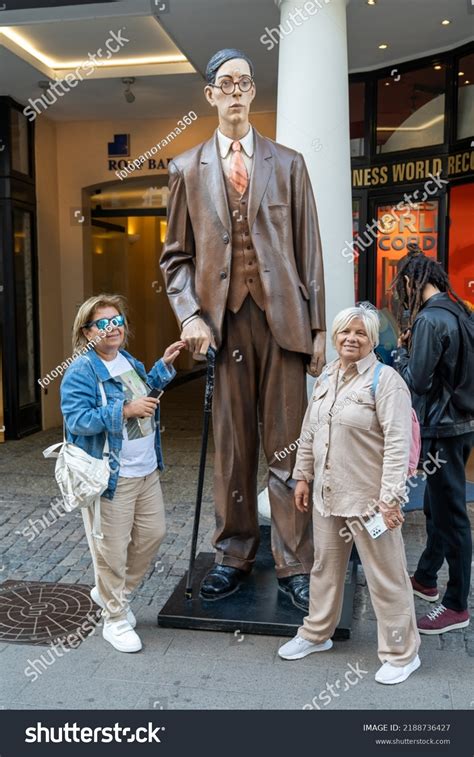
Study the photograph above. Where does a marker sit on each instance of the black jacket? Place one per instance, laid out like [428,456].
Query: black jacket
[431,368]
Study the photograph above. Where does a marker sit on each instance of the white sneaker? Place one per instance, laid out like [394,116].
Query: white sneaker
[121,635]
[298,647]
[391,674]
[95,596]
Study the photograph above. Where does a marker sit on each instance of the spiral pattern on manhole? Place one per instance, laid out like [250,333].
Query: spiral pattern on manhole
[39,613]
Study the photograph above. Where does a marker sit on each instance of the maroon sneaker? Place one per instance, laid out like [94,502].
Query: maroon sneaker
[442,619]
[431,595]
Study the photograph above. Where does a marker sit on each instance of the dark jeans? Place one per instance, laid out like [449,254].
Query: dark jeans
[447,521]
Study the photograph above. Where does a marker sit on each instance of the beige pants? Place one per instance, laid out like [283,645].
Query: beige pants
[385,568]
[133,525]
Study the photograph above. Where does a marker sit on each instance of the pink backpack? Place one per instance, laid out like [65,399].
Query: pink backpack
[415,445]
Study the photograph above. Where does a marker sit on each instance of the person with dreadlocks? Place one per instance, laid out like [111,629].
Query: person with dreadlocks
[435,358]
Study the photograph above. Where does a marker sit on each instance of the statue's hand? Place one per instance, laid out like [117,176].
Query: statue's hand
[198,337]
[318,359]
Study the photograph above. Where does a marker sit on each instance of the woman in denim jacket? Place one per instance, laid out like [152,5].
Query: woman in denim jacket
[104,396]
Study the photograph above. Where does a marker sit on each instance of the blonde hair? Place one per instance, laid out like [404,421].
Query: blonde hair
[86,314]
[368,316]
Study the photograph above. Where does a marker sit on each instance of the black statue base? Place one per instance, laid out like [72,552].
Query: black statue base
[257,607]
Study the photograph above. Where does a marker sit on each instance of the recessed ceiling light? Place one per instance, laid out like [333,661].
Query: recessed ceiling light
[460,73]
[387,83]
[371,2]
[445,22]
[383,46]
[438,67]
[57,65]
[467,81]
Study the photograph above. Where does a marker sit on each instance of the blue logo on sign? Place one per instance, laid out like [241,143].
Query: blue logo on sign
[120,146]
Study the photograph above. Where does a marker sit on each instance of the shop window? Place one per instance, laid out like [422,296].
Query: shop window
[410,111]
[357,248]
[357,118]
[19,142]
[465,74]
[461,241]
[23,262]
[397,226]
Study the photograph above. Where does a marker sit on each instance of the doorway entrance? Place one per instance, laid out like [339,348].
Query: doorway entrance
[127,232]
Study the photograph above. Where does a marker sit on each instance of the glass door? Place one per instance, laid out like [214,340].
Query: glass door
[24,307]
[20,401]
[18,325]
[394,224]
[398,224]
[461,240]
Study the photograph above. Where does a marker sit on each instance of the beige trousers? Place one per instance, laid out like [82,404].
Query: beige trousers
[385,567]
[133,525]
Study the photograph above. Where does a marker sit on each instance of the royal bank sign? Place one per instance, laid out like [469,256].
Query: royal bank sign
[120,160]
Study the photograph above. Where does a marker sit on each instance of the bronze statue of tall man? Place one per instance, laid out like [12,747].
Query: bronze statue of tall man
[243,270]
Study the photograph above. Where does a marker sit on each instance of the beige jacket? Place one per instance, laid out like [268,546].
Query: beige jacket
[354,448]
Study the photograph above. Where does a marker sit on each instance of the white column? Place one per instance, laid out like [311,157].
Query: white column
[313,118]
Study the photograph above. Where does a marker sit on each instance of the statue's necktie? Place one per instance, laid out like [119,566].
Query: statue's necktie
[238,173]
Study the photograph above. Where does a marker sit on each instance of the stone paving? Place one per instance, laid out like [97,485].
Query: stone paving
[181,669]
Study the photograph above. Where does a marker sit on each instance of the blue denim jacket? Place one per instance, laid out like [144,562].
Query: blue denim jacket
[87,419]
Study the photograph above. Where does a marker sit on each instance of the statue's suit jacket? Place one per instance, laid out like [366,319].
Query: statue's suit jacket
[196,257]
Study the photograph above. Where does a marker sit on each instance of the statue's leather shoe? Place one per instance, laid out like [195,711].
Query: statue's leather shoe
[221,581]
[297,589]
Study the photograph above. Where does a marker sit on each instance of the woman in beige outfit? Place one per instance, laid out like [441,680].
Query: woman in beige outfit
[354,447]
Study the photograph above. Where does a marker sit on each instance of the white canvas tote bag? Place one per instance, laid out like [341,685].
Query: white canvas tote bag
[81,478]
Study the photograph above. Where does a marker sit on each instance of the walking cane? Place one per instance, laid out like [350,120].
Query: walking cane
[211,364]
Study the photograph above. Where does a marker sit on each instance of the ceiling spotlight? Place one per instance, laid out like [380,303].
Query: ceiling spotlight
[467,81]
[383,46]
[438,67]
[460,73]
[45,84]
[128,94]
[445,22]
[387,83]
[371,2]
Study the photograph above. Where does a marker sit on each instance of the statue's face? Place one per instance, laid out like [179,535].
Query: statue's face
[232,109]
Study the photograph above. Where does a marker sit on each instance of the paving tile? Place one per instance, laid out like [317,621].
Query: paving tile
[462,692]
[229,646]
[187,698]
[149,666]
[88,694]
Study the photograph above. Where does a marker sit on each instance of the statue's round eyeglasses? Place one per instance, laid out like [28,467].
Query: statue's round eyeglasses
[245,84]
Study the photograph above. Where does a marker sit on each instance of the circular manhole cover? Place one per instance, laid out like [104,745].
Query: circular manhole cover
[39,613]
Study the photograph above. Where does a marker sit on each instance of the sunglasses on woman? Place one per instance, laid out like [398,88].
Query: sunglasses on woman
[102,323]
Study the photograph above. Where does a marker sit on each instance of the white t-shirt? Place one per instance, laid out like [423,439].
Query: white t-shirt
[138,455]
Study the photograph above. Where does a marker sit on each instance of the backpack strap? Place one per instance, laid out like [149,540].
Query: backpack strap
[97,526]
[376,377]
